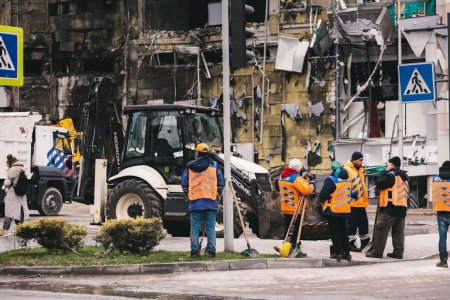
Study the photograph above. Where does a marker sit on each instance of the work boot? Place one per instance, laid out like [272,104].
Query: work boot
[347,257]
[394,255]
[338,257]
[211,254]
[372,255]
[353,247]
[364,244]
[195,253]
[3,232]
[442,263]
[332,252]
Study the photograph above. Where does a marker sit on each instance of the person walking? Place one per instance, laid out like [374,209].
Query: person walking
[202,182]
[440,188]
[358,221]
[336,198]
[292,187]
[16,207]
[393,206]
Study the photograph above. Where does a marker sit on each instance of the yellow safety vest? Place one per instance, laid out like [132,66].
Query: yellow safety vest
[441,194]
[340,198]
[358,184]
[203,184]
[397,194]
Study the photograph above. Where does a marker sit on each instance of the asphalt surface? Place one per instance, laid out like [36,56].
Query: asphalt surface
[397,280]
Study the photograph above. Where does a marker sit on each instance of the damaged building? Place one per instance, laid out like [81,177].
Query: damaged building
[323,81]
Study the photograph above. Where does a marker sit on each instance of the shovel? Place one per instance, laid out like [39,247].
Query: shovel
[286,247]
[202,250]
[296,253]
[249,251]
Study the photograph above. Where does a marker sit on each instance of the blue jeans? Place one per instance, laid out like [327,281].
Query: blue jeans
[208,217]
[443,224]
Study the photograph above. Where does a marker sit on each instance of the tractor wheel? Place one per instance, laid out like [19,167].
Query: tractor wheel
[133,198]
[176,229]
[51,203]
[237,228]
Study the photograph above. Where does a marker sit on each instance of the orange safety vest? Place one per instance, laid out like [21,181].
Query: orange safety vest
[203,184]
[289,197]
[358,184]
[440,194]
[397,194]
[290,193]
[340,198]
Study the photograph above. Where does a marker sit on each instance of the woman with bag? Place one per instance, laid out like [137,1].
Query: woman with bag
[16,207]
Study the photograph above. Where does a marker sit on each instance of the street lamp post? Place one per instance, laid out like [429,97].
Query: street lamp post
[227,201]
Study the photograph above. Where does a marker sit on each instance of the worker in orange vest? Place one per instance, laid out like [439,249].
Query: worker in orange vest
[336,198]
[292,186]
[203,182]
[440,188]
[358,221]
[393,206]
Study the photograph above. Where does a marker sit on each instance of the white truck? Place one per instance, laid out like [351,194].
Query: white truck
[44,151]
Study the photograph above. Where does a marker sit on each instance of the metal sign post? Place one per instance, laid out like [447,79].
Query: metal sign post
[400,105]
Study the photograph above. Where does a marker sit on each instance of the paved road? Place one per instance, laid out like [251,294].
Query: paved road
[395,280]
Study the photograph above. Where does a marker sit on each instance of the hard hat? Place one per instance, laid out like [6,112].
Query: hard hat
[295,164]
[202,147]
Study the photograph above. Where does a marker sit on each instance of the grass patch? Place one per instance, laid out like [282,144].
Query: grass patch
[91,255]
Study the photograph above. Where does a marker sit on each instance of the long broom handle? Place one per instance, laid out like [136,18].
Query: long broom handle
[301,221]
[240,216]
[294,218]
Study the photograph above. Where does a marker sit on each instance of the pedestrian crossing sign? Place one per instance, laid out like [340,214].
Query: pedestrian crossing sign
[11,56]
[417,82]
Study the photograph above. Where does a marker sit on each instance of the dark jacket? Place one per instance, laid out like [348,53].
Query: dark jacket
[387,180]
[199,165]
[328,188]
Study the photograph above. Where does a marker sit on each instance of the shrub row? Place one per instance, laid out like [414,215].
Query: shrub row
[55,234]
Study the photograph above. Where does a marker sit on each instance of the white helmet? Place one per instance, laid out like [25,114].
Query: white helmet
[295,164]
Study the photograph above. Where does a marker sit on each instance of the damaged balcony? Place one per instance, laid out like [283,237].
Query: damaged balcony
[367,81]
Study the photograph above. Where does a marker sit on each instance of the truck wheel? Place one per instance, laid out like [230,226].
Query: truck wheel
[133,198]
[51,203]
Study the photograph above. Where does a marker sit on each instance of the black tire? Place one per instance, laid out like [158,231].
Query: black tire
[177,229]
[315,231]
[51,203]
[237,228]
[132,198]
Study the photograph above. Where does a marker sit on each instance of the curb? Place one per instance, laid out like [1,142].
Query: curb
[165,268]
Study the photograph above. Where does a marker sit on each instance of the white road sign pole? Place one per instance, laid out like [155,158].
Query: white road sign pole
[400,104]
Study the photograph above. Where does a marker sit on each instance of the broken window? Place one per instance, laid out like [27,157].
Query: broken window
[52,9]
[171,14]
[293,4]
[105,65]
[65,8]
[32,67]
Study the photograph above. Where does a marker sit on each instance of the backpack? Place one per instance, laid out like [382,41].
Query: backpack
[21,186]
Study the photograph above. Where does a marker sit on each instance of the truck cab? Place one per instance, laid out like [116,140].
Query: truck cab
[44,151]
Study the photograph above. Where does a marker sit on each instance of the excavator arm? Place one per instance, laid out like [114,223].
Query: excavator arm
[102,136]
